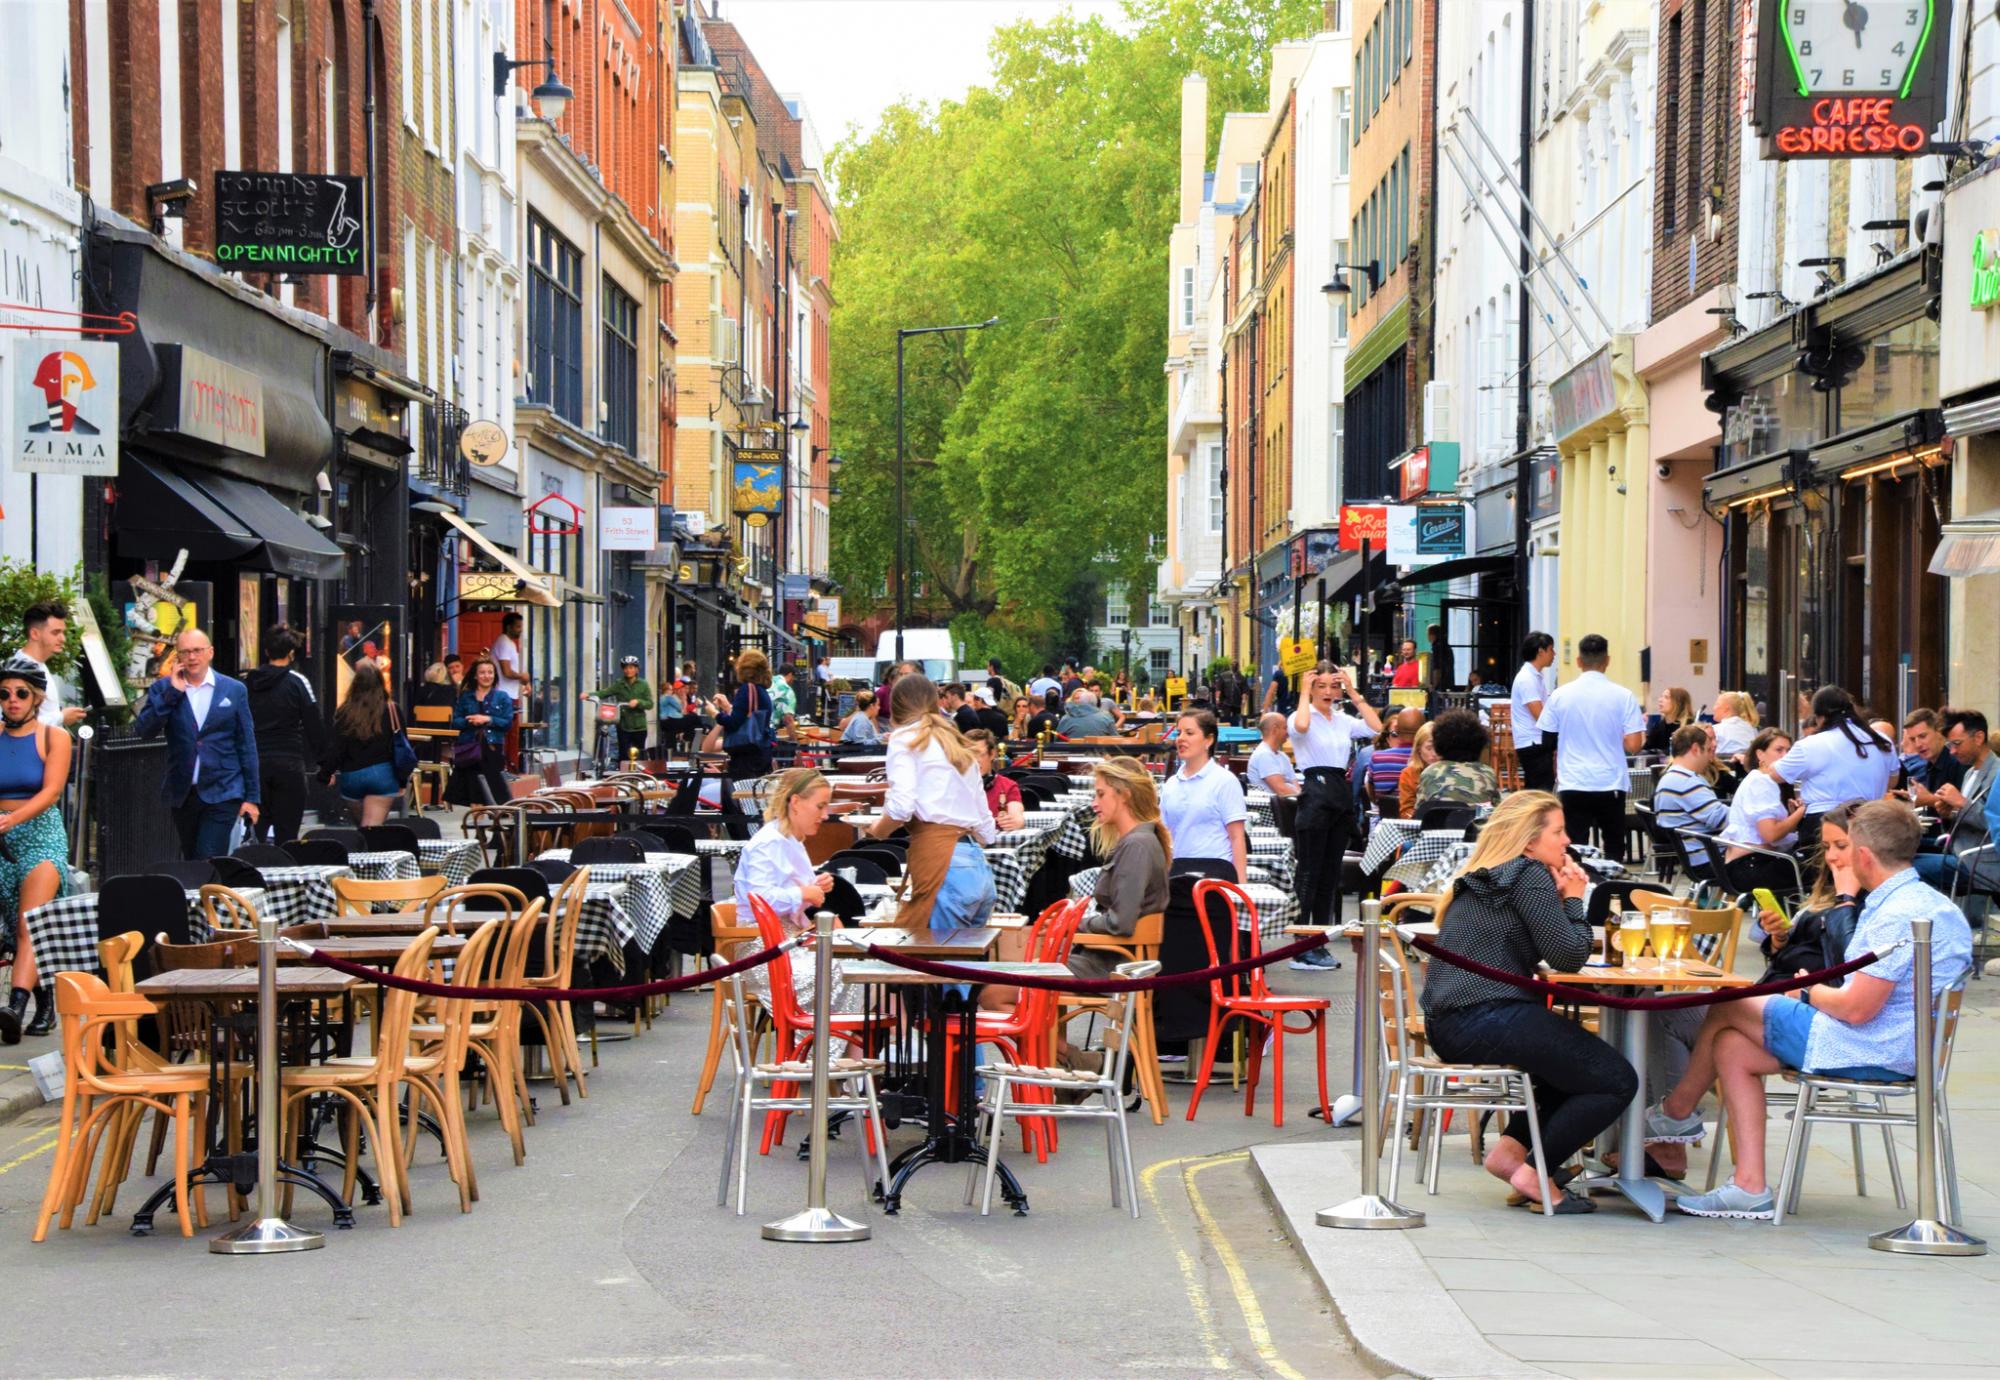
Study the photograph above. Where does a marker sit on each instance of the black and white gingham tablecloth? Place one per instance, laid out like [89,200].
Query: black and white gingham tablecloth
[386,866]
[679,873]
[1439,871]
[1277,909]
[453,859]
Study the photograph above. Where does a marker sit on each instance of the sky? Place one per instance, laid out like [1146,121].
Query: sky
[852,59]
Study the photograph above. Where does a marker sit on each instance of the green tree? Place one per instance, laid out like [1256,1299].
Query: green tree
[1045,199]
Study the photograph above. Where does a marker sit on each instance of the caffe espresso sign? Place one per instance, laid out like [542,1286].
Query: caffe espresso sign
[305,223]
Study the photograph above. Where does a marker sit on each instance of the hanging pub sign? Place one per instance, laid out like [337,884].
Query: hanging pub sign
[1843,79]
[305,223]
[759,483]
[65,407]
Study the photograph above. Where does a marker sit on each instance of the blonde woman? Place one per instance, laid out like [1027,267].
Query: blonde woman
[1516,902]
[1127,831]
[934,792]
[774,866]
[1735,723]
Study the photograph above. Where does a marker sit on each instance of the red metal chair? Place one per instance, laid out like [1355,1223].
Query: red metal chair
[1246,997]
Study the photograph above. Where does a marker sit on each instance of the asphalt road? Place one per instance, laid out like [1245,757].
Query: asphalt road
[605,1254]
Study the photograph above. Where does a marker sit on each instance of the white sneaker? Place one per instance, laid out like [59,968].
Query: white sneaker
[1729,1201]
[1662,1129]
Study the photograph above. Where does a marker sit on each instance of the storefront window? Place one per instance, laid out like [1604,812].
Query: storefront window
[1776,415]
[1898,373]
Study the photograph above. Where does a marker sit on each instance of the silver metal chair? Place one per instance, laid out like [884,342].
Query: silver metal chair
[855,1078]
[1102,1098]
[1854,1103]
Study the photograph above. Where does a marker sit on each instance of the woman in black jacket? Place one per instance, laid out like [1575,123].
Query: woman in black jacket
[1518,901]
[291,735]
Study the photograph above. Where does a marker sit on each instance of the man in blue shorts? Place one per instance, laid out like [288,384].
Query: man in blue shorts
[1864,1029]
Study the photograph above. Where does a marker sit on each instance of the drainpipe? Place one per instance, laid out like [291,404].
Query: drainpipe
[1524,385]
[368,195]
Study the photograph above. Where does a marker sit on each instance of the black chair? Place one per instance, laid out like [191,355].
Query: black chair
[423,826]
[199,872]
[1446,817]
[526,880]
[350,840]
[1598,909]
[843,900]
[866,869]
[674,838]
[1285,815]
[235,872]
[643,841]
[1033,797]
[152,903]
[264,855]
[606,849]
[390,838]
[554,871]
[890,860]
[318,852]
[1661,844]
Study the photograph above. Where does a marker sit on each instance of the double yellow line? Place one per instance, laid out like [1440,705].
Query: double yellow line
[1239,1278]
[46,1135]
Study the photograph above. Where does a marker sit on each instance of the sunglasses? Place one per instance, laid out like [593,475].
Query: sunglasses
[16,692]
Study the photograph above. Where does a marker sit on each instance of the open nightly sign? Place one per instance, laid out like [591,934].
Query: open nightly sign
[305,223]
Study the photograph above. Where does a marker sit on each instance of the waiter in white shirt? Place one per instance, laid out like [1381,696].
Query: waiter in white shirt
[1593,723]
[1531,692]
[44,633]
[1323,739]
[1843,760]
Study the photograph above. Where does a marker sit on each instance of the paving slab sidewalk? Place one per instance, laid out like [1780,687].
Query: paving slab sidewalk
[1484,1289]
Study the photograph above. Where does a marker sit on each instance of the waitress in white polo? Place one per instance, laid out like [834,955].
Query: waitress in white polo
[1324,736]
[1202,805]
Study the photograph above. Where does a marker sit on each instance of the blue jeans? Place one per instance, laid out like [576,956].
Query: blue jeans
[967,896]
[205,828]
[1939,869]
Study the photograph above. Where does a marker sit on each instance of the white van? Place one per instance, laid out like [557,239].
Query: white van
[930,648]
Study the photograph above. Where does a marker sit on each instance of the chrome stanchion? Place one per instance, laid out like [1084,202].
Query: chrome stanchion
[1369,1211]
[1927,1235]
[818,1222]
[267,1233]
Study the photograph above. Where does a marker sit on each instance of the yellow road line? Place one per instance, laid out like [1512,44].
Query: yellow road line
[15,1068]
[1239,1279]
[42,1149]
[1197,1292]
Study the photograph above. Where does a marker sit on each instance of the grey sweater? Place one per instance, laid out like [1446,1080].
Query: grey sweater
[1132,884]
[1508,917]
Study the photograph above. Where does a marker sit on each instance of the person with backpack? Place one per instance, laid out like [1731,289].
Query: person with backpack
[744,717]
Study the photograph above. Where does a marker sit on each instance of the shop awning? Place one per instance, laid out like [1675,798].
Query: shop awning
[682,592]
[1459,568]
[775,630]
[163,508]
[517,583]
[1969,546]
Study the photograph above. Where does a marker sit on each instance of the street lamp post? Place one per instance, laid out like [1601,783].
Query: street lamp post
[903,333]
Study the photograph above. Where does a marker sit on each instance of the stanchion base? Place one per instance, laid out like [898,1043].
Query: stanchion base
[266,1236]
[1346,1107]
[817,1224]
[1923,1237]
[1369,1212]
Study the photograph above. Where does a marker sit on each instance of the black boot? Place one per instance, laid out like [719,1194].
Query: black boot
[10,1016]
[45,1016]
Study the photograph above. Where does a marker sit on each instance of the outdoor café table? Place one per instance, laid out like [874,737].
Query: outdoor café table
[950,1130]
[212,986]
[1629,1031]
[388,865]
[1440,870]
[381,946]
[453,859]
[679,873]
[609,922]
[1276,909]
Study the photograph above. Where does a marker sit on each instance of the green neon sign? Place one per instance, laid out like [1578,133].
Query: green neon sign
[1986,270]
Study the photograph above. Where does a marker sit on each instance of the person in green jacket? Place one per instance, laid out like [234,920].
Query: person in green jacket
[634,698]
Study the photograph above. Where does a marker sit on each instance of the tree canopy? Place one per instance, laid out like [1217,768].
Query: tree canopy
[1044,199]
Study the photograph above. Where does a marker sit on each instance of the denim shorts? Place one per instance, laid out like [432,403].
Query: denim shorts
[379,779]
[1787,1025]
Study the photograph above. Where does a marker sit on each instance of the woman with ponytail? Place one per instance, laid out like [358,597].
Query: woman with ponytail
[934,792]
[1843,760]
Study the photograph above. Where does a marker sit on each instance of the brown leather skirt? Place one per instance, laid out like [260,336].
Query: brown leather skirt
[928,864]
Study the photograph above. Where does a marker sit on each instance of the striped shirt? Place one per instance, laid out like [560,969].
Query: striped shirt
[1386,767]
[1683,800]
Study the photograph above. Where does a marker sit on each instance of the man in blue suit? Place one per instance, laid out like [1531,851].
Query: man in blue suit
[212,774]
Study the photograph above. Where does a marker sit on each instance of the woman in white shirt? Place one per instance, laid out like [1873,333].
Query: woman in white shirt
[1324,739]
[1735,723]
[934,792]
[1764,814]
[1203,806]
[1843,760]
[774,867]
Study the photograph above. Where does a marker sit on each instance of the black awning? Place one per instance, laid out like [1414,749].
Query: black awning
[161,512]
[290,545]
[1458,569]
[164,508]
[1377,571]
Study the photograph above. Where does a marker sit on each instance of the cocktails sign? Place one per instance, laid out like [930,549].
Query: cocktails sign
[1986,270]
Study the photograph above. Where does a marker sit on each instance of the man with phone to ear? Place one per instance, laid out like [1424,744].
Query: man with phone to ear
[1324,734]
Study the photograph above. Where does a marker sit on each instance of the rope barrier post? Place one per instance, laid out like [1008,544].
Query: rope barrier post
[267,1233]
[1928,1234]
[1370,1211]
[817,1222]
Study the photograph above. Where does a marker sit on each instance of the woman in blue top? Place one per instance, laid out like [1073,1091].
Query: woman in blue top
[746,716]
[481,716]
[672,709]
[34,847]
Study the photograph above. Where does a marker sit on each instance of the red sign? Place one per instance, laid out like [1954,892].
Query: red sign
[1363,522]
[1852,127]
[1416,472]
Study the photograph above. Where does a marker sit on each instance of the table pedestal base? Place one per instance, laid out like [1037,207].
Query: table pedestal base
[948,1149]
[266,1236]
[217,1169]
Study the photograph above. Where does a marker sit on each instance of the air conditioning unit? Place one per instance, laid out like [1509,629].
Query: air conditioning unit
[1437,413]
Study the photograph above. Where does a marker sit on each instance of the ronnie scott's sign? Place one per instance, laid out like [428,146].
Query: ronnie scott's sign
[267,222]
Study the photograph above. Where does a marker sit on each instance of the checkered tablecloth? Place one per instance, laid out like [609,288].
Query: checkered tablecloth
[720,848]
[607,924]
[1277,909]
[679,873]
[1439,872]
[1274,865]
[392,865]
[1262,813]
[1387,838]
[1072,840]
[453,859]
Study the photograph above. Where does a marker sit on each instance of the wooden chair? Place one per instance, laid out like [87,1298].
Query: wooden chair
[833,836]
[723,1013]
[493,828]
[370,1086]
[556,1019]
[1721,927]
[472,904]
[450,1038]
[97,1089]
[495,1030]
[436,770]
[353,896]
[117,956]
[1141,946]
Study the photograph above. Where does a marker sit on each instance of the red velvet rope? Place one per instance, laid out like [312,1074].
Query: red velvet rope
[1569,992]
[633,993]
[1090,985]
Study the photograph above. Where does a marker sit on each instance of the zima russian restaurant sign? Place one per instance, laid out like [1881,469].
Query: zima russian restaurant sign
[66,407]
[270,222]
[1844,79]
[1986,270]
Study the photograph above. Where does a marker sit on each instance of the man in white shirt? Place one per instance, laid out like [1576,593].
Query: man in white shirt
[513,678]
[1042,684]
[1269,767]
[45,627]
[1593,724]
[1531,692]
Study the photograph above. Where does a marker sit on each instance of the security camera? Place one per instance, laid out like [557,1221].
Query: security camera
[325,484]
[1664,470]
[179,189]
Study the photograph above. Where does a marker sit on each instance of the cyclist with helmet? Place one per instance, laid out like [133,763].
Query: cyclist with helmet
[634,698]
[34,846]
